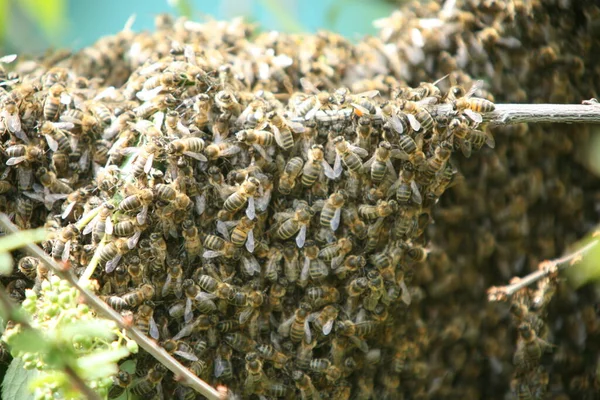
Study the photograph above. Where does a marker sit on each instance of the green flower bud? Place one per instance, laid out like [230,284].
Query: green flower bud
[132,346]
[55,280]
[46,286]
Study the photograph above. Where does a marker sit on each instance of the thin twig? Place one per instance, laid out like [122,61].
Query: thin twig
[13,314]
[504,114]
[182,374]
[545,268]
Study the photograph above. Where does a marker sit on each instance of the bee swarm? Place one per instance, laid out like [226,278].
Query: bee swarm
[262,203]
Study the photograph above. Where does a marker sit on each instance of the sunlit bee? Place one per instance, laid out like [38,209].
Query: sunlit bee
[244,194]
[149,382]
[223,367]
[258,139]
[219,247]
[132,203]
[313,267]
[291,263]
[297,326]
[478,138]
[221,149]
[56,136]
[53,102]
[320,296]
[380,163]
[144,321]
[61,246]
[325,320]
[296,223]
[381,210]
[173,282]
[287,180]
[21,153]
[407,189]
[227,101]
[180,349]
[418,117]
[189,146]
[305,386]
[111,253]
[121,381]
[315,165]
[347,154]
[191,239]
[282,130]
[471,107]
[336,252]
[28,266]
[332,210]
[211,285]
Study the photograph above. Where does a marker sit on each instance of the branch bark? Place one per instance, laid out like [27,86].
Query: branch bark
[182,374]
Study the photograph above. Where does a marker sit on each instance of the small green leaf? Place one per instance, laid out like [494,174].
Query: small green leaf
[98,328]
[101,363]
[15,385]
[129,366]
[22,238]
[29,340]
[6,264]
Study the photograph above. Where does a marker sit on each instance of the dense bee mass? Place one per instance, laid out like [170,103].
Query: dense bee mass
[263,203]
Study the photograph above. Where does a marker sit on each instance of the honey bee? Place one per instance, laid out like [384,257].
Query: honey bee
[174,126]
[332,210]
[139,200]
[472,107]
[240,342]
[382,209]
[287,180]
[219,247]
[221,289]
[23,154]
[305,386]
[121,381]
[28,266]
[256,379]
[223,367]
[241,234]
[112,252]
[315,165]
[349,154]
[180,349]
[529,349]
[406,189]
[320,296]
[355,331]
[380,164]
[150,382]
[313,267]
[61,245]
[189,146]
[219,149]
[269,352]
[297,326]
[282,129]
[258,139]
[191,240]
[291,263]
[173,283]
[418,117]
[144,321]
[243,194]
[324,321]
[54,101]
[294,223]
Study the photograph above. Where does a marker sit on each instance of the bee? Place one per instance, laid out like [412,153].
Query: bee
[297,326]
[472,107]
[221,289]
[54,102]
[418,117]
[219,247]
[121,382]
[355,289]
[28,266]
[249,314]
[23,154]
[529,349]
[394,119]
[61,246]
[336,252]
[376,290]
[349,154]
[180,348]
[144,321]
[223,367]
[351,264]
[291,263]
[189,146]
[291,172]
[239,342]
[174,126]
[269,352]
[315,165]
[242,195]
[242,233]
[380,164]
[295,223]
[149,382]
[305,386]
[256,379]
[56,135]
[320,296]
[194,298]
[324,321]
[332,210]
[382,209]
[258,139]
[135,270]
[477,138]
[173,283]
[191,240]
[351,219]
[112,252]
[313,267]
[219,149]
[226,101]
[282,129]
[139,200]
[417,254]
[406,189]
[355,331]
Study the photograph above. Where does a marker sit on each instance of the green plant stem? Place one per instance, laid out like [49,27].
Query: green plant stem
[13,314]
[182,374]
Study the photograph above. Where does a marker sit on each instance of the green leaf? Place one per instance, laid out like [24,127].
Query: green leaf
[97,328]
[22,238]
[15,385]
[101,363]
[129,366]
[29,340]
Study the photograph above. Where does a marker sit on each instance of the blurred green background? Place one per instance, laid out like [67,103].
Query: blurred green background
[31,26]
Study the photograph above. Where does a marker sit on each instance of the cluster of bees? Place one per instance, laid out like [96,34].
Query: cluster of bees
[262,204]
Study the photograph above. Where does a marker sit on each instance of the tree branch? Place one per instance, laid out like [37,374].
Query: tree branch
[183,375]
[504,114]
[545,268]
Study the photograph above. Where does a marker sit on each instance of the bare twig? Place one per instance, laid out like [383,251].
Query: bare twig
[182,374]
[504,114]
[12,313]
[545,268]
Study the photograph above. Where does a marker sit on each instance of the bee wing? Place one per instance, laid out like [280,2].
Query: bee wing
[15,160]
[250,241]
[250,209]
[359,151]
[66,251]
[245,315]
[154,329]
[148,164]
[112,264]
[406,298]
[308,85]
[22,136]
[14,123]
[231,150]
[158,119]
[90,226]
[473,116]
[367,164]
[284,327]
[211,254]
[416,194]
[185,331]
[414,123]
[108,226]
[186,355]
[296,126]
[200,203]
[301,238]
[263,152]
[166,287]
[361,344]
[328,327]
[141,216]
[475,87]
[313,111]
[68,210]
[307,332]
[196,156]
[335,221]
[223,229]
[84,160]
[399,153]
[369,93]
[391,170]
[396,123]
[250,265]
[328,171]
[305,270]
[489,139]
[359,110]
[337,166]
[51,198]
[7,59]
[147,95]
